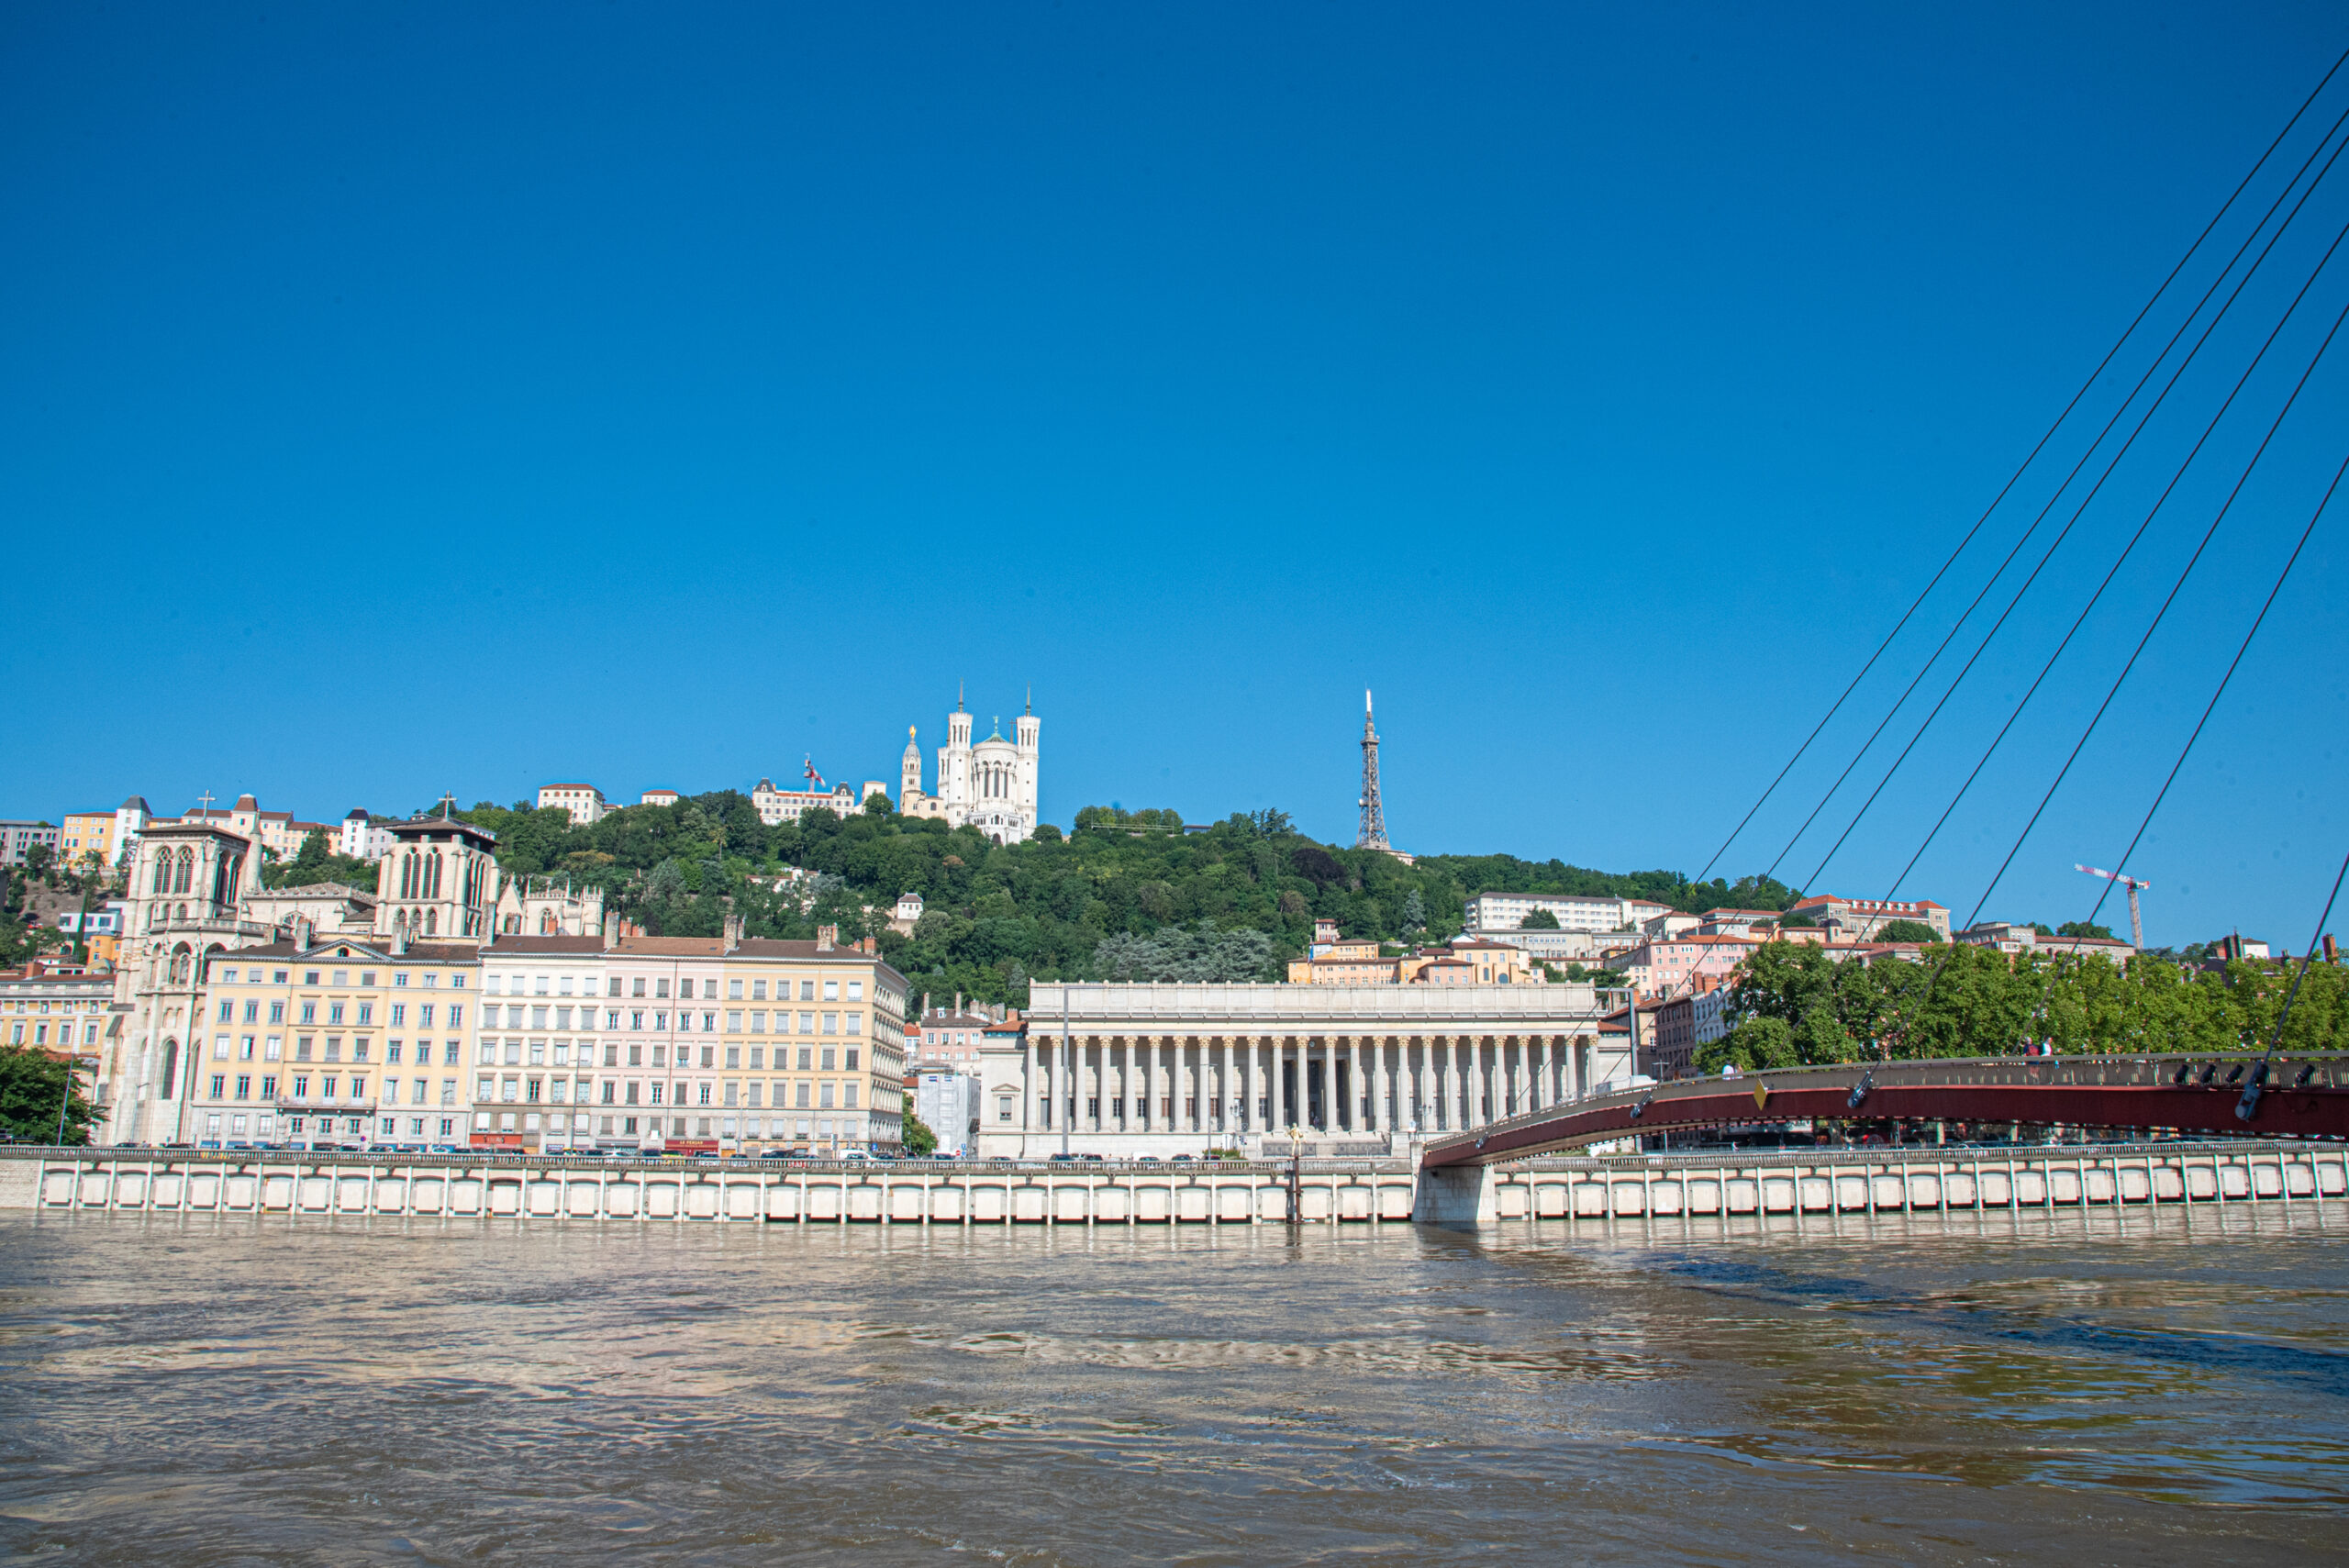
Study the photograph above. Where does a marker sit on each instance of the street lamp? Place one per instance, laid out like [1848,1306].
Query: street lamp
[73,1065]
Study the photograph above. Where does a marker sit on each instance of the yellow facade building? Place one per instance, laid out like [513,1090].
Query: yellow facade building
[339,1043]
[86,833]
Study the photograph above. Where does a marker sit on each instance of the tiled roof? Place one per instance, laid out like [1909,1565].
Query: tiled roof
[515,944]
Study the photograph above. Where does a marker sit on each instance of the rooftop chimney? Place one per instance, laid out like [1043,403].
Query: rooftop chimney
[733,932]
[827,938]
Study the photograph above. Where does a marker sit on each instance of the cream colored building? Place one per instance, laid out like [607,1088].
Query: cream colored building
[57,1012]
[718,1042]
[1166,1069]
[277,832]
[584,801]
[778,806]
[307,1043]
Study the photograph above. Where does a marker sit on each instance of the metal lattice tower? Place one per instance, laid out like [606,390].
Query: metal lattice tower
[1372,835]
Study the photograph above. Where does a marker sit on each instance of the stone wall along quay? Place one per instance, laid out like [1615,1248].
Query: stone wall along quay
[1697,1187]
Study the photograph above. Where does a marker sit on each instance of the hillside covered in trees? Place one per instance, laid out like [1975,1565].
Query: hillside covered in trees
[1123,895]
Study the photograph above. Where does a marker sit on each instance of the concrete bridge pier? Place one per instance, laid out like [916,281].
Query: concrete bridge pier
[1457,1194]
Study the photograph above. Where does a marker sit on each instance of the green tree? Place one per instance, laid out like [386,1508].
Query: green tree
[1755,1043]
[1540,920]
[920,1140]
[2083,929]
[316,862]
[1906,932]
[33,1086]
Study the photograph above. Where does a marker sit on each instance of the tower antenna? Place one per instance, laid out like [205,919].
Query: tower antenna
[1372,835]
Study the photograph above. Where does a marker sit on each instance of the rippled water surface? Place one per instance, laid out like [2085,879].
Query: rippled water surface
[2072,1388]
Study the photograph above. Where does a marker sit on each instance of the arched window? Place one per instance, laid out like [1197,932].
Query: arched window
[408,874]
[179,967]
[170,1069]
[431,922]
[183,870]
[546,923]
[162,872]
[513,924]
[432,875]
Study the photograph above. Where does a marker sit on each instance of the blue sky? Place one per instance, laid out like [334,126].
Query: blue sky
[400,400]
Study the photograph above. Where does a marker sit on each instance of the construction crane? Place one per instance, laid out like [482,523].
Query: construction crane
[2136,921]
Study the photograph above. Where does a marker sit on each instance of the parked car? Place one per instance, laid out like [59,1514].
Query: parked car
[1064,1159]
[1093,1159]
[1148,1160]
[1180,1158]
[859,1157]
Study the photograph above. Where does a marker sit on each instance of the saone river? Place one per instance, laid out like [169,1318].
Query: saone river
[2076,1389]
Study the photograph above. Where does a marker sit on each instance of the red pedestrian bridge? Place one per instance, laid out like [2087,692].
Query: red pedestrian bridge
[2296,1096]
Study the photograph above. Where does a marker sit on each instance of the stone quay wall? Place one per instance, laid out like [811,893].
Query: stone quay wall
[1702,1185]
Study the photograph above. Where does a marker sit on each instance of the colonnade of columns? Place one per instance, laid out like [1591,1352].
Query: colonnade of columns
[1222,1085]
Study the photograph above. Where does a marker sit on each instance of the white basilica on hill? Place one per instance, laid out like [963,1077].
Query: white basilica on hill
[991,785]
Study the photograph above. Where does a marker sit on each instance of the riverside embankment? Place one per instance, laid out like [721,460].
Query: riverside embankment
[1703,1186]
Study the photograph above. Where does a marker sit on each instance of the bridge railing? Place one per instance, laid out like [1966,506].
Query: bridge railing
[1899,1154]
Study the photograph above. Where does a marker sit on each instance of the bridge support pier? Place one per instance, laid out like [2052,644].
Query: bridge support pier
[1456,1194]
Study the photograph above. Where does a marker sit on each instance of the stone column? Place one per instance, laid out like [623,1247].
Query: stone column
[1329,1084]
[1222,1087]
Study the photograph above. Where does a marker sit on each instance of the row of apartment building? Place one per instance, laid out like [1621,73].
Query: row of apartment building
[452,1005]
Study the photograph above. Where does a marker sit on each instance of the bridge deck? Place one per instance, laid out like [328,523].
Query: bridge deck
[2303,1097]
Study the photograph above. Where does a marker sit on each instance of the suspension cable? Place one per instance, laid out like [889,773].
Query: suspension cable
[2121,867]
[2094,490]
[2224,207]
[2089,452]
[2208,534]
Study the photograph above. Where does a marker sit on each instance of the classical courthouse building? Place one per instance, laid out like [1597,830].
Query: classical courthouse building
[1122,1070]
[991,785]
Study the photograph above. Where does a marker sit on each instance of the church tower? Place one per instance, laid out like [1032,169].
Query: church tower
[954,762]
[909,772]
[1025,733]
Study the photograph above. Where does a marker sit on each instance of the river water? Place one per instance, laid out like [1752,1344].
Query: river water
[2068,1389]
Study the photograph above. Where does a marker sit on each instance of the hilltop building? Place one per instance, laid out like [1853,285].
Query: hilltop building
[991,785]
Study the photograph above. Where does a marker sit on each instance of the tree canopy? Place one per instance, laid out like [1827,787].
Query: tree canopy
[33,1086]
[1797,1007]
[316,862]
